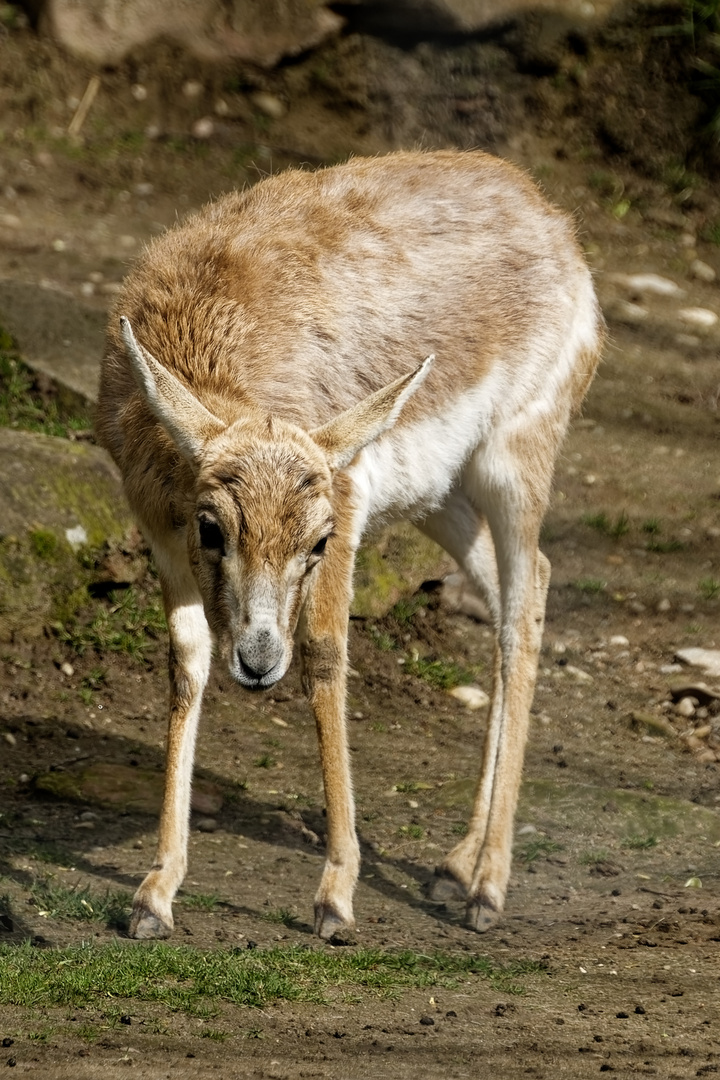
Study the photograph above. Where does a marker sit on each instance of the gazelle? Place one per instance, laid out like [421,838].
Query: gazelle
[269,392]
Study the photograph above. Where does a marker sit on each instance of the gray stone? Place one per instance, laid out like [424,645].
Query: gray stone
[104,31]
[56,335]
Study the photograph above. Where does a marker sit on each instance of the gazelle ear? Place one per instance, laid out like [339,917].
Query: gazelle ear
[343,437]
[188,423]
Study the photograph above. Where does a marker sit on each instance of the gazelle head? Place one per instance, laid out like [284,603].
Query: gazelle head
[263,518]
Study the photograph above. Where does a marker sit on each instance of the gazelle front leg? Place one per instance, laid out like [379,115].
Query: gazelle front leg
[323,651]
[190,655]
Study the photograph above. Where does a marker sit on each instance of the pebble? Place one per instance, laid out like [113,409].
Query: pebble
[139,92]
[67,669]
[663,605]
[203,128]
[192,89]
[207,824]
[269,104]
[577,674]
[700,317]
[472,697]
[279,721]
[687,341]
[10,221]
[87,289]
[702,270]
[632,313]
[76,537]
[9,738]
[619,639]
[648,283]
[87,815]
[686,706]
[707,659]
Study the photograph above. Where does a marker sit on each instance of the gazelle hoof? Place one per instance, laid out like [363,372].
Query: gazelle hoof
[481,916]
[328,921]
[446,887]
[145,924]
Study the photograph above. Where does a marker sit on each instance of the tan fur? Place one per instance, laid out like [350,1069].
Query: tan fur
[262,396]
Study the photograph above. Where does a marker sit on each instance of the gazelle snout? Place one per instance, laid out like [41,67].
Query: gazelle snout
[260,657]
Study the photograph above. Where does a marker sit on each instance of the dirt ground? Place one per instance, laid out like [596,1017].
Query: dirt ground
[616,881]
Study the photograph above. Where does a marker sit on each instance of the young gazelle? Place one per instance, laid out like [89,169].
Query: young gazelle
[262,396]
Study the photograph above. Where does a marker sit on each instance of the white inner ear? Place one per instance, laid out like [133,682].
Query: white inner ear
[344,437]
[186,420]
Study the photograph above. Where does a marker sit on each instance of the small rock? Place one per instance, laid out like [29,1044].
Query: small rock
[192,89]
[654,284]
[703,318]
[707,659]
[269,104]
[87,815]
[279,721]
[703,731]
[663,605]
[144,189]
[619,639]
[58,245]
[472,697]
[203,128]
[577,674]
[87,289]
[712,532]
[67,669]
[427,1021]
[10,221]
[138,845]
[207,824]
[658,724]
[688,341]
[9,738]
[686,706]
[702,270]
[221,108]
[139,92]
[707,756]
[76,537]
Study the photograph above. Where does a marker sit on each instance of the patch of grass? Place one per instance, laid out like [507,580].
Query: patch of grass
[201,901]
[405,610]
[413,832]
[44,544]
[57,901]
[189,980]
[442,674]
[265,761]
[664,547]
[460,828]
[640,843]
[409,787]
[537,847]
[215,1034]
[590,585]
[709,588]
[651,526]
[127,623]
[281,916]
[22,405]
[593,858]
[382,640]
[616,529]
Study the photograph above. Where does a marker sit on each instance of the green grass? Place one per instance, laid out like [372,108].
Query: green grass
[441,674]
[664,547]
[709,588]
[590,585]
[405,610]
[58,901]
[537,847]
[201,901]
[265,761]
[126,623]
[603,524]
[412,832]
[189,980]
[21,403]
[281,916]
[640,843]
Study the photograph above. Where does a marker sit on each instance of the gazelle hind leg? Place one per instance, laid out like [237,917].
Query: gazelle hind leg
[465,535]
[515,504]
[190,655]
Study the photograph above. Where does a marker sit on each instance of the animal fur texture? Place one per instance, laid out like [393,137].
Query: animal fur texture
[403,337]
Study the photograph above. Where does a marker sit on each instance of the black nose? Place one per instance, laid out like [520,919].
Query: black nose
[254,673]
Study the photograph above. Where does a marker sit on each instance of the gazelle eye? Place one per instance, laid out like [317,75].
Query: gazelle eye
[319,548]
[211,536]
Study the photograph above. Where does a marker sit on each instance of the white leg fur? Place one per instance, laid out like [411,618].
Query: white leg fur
[190,655]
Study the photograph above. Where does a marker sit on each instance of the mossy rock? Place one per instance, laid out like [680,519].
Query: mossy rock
[394,565]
